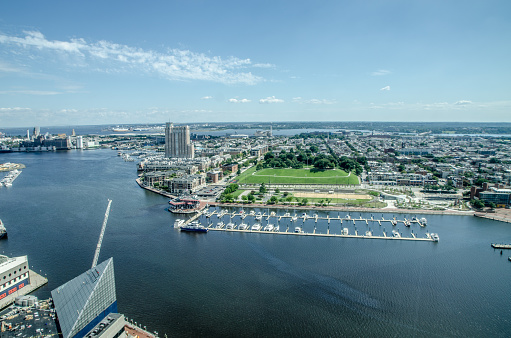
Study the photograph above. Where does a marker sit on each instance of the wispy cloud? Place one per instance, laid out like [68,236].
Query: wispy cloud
[462,102]
[263,65]
[385,88]
[381,72]
[313,101]
[271,99]
[206,97]
[28,92]
[239,100]
[174,64]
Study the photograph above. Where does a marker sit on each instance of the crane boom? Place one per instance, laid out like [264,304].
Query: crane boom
[98,247]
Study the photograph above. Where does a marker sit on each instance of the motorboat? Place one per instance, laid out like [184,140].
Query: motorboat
[269,227]
[220,225]
[229,226]
[396,234]
[298,230]
[435,237]
[345,231]
[243,226]
[256,227]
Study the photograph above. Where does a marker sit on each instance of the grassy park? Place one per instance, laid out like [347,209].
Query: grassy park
[297,176]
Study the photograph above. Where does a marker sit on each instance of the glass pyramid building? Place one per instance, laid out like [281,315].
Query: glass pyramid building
[85,300]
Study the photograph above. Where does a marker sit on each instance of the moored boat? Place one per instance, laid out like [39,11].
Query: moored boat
[194,227]
[256,227]
[435,237]
[3,230]
[269,227]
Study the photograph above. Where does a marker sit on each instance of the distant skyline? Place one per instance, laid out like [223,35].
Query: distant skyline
[127,62]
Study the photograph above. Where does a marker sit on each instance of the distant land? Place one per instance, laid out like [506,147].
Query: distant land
[456,128]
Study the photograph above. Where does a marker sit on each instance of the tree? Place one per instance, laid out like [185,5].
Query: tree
[244,198]
[273,200]
[262,188]
[277,191]
[238,172]
[322,164]
[251,198]
[477,204]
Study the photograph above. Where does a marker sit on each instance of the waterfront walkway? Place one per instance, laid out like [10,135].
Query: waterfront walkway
[157,191]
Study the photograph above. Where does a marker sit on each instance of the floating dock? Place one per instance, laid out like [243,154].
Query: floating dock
[293,219]
[501,246]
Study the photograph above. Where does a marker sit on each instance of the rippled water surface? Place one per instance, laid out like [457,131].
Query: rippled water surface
[247,284]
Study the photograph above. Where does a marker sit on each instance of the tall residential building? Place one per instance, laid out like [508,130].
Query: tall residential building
[177,142]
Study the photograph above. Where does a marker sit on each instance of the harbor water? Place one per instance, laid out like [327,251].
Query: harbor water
[248,284]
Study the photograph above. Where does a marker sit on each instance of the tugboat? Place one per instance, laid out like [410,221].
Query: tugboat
[3,230]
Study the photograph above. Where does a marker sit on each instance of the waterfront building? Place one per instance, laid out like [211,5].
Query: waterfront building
[186,184]
[14,274]
[177,142]
[86,300]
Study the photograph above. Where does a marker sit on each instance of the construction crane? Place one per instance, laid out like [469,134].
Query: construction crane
[98,247]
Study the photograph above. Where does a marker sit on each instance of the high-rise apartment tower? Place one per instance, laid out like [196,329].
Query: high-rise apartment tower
[177,142]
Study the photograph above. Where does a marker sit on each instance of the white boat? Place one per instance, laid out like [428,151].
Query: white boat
[348,217]
[259,216]
[243,226]
[394,222]
[178,223]
[424,221]
[256,227]
[304,215]
[396,234]
[229,226]
[220,225]
[272,213]
[298,230]
[345,231]
[287,214]
[269,227]
[368,233]
[294,219]
[435,237]
[276,228]
[252,212]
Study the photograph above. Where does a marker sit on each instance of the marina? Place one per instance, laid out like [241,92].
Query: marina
[10,177]
[336,226]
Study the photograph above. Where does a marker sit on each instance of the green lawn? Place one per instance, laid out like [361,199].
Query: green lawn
[296,176]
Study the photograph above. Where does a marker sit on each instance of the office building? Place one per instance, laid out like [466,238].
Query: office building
[177,142]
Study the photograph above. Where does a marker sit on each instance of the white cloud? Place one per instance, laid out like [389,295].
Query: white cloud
[263,65]
[385,88]
[239,100]
[313,101]
[29,92]
[271,99]
[174,64]
[381,72]
[462,102]
[206,97]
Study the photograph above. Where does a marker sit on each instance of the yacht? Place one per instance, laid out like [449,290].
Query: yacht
[345,231]
[178,223]
[243,226]
[229,226]
[194,227]
[259,216]
[294,218]
[287,214]
[304,215]
[220,225]
[298,230]
[276,228]
[252,212]
[393,222]
[424,221]
[435,237]
[396,234]
[256,227]
[269,227]
[272,213]
[368,233]
[3,230]
[348,217]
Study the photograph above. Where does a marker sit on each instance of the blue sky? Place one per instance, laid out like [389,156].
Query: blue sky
[123,62]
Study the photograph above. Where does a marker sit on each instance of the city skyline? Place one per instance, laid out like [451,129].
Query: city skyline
[266,61]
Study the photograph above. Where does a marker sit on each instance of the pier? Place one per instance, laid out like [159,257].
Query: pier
[501,246]
[231,226]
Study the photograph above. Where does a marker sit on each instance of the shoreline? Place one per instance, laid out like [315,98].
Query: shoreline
[348,209]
